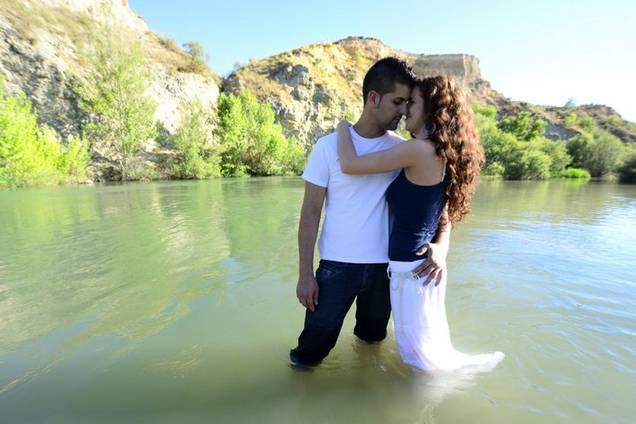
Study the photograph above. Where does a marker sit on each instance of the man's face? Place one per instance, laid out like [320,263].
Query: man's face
[392,106]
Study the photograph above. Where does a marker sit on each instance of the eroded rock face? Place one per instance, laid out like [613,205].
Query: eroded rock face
[47,85]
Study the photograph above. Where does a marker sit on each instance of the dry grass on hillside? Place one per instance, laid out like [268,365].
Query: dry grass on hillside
[31,18]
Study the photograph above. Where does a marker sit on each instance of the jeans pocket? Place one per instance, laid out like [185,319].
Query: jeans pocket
[329,269]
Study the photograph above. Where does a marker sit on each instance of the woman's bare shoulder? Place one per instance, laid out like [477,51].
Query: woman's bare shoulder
[426,147]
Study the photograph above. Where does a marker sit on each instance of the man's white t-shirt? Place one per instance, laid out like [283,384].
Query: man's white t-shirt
[356,224]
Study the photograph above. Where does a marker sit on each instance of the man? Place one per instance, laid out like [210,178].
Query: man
[354,240]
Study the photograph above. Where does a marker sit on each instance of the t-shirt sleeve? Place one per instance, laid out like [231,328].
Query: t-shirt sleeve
[317,168]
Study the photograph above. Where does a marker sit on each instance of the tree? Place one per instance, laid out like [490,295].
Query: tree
[196,158]
[523,126]
[197,54]
[598,151]
[251,142]
[113,93]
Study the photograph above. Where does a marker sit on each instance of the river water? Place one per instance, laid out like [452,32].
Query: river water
[175,302]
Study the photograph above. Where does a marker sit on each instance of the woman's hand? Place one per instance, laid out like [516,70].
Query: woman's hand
[434,266]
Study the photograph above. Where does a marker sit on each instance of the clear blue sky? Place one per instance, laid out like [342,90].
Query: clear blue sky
[538,51]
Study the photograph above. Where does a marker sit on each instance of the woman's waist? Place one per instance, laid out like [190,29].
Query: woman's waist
[401,239]
[403,266]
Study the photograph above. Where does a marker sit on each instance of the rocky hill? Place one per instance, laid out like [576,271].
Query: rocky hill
[313,86]
[310,87]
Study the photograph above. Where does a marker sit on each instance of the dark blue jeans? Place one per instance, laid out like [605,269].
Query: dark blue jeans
[339,284]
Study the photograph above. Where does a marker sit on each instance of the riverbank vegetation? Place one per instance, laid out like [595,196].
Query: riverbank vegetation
[517,149]
[241,136]
[31,154]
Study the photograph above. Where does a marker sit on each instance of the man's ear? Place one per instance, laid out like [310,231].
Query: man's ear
[374,97]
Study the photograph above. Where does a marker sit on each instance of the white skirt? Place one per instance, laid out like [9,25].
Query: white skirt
[421,328]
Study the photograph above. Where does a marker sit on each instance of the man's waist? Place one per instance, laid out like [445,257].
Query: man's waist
[384,260]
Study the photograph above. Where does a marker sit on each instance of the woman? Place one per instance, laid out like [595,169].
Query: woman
[439,172]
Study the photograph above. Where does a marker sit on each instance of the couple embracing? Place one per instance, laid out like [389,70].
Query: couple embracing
[389,208]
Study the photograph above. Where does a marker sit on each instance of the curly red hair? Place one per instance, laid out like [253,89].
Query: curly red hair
[450,118]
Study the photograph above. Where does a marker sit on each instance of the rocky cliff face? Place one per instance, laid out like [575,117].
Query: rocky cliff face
[40,44]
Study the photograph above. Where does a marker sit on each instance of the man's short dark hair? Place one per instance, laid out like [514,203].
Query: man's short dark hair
[384,74]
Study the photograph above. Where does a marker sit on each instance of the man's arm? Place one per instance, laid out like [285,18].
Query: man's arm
[307,288]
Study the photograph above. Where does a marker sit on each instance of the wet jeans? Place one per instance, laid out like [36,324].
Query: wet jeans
[339,285]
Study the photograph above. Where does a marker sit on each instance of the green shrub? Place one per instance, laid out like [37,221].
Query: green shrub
[615,120]
[570,120]
[251,142]
[586,123]
[34,155]
[196,158]
[75,160]
[527,164]
[598,151]
[575,173]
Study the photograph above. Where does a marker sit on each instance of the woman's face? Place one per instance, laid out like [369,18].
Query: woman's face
[415,114]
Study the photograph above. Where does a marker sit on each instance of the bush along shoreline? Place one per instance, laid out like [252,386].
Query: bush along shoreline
[516,149]
[31,154]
